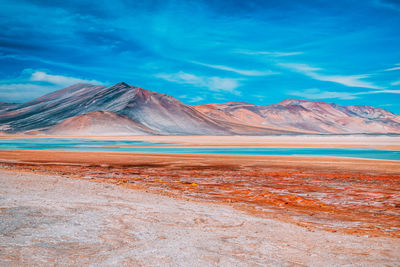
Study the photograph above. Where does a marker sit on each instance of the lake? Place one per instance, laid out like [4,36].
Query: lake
[80,144]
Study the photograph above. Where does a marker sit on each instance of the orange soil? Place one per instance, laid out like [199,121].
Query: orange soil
[348,195]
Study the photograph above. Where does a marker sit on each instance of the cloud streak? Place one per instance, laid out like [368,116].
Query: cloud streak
[386,91]
[40,76]
[192,99]
[212,83]
[394,68]
[395,83]
[238,71]
[347,80]
[268,53]
[17,92]
[318,94]
[36,84]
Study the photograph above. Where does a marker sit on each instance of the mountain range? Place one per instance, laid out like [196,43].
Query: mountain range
[121,109]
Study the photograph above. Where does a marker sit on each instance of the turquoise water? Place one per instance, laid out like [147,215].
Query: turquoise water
[78,144]
[67,143]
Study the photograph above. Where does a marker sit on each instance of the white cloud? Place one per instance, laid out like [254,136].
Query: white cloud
[299,67]
[269,53]
[31,84]
[347,80]
[23,91]
[394,68]
[395,83]
[239,71]
[191,99]
[318,94]
[40,76]
[212,83]
[351,80]
[388,91]
[195,99]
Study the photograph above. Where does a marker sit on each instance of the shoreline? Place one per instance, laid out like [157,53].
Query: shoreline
[324,158]
[307,141]
[59,156]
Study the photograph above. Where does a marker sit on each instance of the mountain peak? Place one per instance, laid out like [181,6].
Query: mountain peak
[122,84]
[164,114]
[293,101]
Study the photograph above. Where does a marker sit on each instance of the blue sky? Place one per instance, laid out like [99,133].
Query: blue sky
[347,52]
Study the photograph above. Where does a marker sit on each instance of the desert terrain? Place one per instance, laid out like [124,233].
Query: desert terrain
[181,209]
[50,220]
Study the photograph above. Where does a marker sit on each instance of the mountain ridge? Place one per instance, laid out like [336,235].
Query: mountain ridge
[165,115]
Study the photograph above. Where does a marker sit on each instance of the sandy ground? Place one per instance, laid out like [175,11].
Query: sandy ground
[357,196]
[224,210]
[51,220]
[181,160]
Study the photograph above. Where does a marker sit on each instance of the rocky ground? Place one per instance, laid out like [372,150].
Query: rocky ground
[52,220]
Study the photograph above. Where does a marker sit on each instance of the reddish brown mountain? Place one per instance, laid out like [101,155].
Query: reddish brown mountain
[307,116]
[161,113]
[132,110]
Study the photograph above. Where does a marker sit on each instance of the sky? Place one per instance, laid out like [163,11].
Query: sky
[258,51]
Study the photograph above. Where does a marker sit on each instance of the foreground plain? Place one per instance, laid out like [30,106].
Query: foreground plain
[51,220]
[110,208]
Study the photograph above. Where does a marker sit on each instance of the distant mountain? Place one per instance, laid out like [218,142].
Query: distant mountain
[307,116]
[163,114]
[85,109]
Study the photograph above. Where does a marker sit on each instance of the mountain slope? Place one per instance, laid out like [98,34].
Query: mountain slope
[99,123]
[134,110]
[5,105]
[49,109]
[163,114]
[307,116]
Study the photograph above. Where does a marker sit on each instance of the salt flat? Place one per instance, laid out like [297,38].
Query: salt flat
[48,220]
